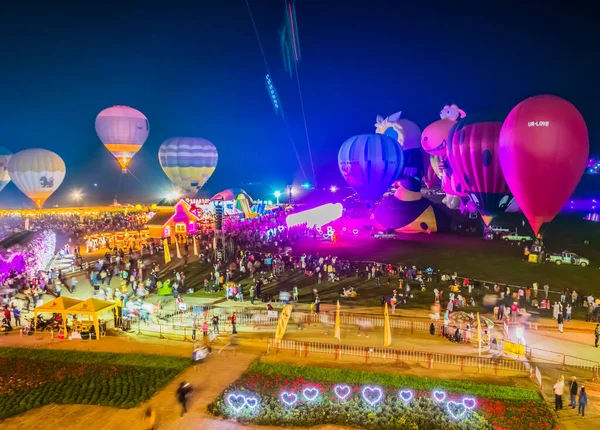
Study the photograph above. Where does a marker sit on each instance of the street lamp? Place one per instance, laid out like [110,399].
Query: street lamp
[333,188]
[277,194]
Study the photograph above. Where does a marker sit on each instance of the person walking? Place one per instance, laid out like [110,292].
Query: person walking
[583,401]
[560,321]
[295,293]
[573,392]
[205,328]
[215,322]
[597,335]
[559,388]
[149,419]
[233,323]
[183,393]
[17,316]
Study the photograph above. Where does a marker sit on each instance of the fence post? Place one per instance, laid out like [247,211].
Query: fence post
[336,351]
[462,364]
[430,359]
[139,329]
[366,354]
[496,368]
[412,327]
[160,336]
[397,356]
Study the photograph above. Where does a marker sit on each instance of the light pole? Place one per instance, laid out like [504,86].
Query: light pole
[277,194]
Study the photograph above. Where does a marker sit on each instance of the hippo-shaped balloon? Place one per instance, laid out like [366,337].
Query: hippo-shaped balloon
[435,136]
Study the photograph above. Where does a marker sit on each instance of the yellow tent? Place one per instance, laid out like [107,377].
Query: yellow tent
[65,306]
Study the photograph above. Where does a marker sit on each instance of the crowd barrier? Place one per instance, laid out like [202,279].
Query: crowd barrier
[537,354]
[302,349]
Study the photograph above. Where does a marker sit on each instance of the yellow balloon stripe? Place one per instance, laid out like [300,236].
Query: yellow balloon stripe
[184,176]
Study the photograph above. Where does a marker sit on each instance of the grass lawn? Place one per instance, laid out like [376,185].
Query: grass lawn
[281,394]
[31,378]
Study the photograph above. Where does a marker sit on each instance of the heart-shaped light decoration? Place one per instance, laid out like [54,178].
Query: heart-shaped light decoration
[343,228]
[236,401]
[355,231]
[439,396]
[281,228]
[326,236]
[319,230]
[329,228]
[251,402]
[456,410]
[342,391]
[406,395]
[310,394]
[469,402]
[289,399]
[372,395]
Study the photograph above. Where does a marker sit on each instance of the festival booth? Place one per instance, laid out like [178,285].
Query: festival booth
[236,202]
[120,239]
[92,308]
[183,219]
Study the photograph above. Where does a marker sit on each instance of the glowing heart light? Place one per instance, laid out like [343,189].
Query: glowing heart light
[343,228]
[236,401]
[281,228]
[439,396]
[289,399]
[456,410]
[469,402]
[319,230]
[327,236]
[355,231]
[372,395]
[251,402]
[342,391]
[406,395]
[310,394]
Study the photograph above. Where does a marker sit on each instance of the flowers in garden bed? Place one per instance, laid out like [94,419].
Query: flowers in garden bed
[282,401]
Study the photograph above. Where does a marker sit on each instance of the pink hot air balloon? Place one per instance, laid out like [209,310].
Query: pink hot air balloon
[543,150]
[473,154]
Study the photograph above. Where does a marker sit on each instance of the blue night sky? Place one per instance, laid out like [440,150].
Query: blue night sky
[194,69]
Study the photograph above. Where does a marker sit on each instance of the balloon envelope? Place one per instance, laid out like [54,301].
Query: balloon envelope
[5,155]
[123,131]
[370,163]
[473,154]
[543,149]
[37,173]
[434,137]
[188,161]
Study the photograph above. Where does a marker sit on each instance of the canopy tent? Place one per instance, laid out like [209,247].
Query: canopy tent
[64,305]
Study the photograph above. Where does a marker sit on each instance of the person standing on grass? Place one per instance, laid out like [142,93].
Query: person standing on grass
[573,392]
[597,335]
[17,315]
[205,328]
[215,322]
[583,401]
[183,393]
[559,388]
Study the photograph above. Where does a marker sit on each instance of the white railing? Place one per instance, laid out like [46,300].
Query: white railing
[369,353]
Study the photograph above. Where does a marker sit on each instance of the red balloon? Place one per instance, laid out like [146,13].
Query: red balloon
[543,150]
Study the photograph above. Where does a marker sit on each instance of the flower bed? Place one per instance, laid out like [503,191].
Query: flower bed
[305,396]
[33,378]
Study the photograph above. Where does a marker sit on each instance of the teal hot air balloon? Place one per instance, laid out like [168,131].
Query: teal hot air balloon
[370,163]
[5,155]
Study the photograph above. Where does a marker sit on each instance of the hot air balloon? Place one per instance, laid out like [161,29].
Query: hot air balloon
[5,155]
[473,154]
[543,150]
[370,163]
[37,173]
[123,130]
[431,179]
[188,162]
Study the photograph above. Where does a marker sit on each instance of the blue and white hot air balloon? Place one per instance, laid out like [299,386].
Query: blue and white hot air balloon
[188,162]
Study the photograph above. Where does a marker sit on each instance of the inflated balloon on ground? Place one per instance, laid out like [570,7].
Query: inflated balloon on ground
[370,163]
[543,149]
[473,154]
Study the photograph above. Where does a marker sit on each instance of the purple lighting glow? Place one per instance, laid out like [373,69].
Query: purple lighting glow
[319,216]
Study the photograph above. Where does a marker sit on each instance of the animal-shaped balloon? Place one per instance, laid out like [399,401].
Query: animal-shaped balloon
[435,136]
[452,112]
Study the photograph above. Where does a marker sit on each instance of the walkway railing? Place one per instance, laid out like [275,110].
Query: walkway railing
[537,354]
[302,349]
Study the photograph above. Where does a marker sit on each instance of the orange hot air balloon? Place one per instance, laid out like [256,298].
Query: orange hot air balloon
[123,130]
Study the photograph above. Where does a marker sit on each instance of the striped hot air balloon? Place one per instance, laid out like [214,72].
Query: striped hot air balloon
[370,163]
[188,162]
[123,130]
[5,155]
[37,173]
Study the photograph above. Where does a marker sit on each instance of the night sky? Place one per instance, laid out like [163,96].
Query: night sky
[194,69]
